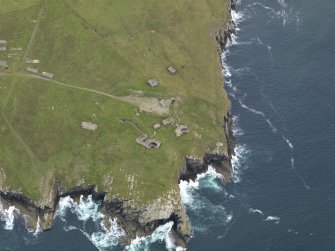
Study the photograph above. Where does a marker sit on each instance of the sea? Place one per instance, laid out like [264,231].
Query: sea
[280,75]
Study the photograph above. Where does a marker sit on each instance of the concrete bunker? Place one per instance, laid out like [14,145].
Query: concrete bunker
[89,126]
[152,82]
[181,129]
[148,142]
[172,70]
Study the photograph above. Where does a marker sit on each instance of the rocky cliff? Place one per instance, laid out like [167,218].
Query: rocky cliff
[137,221]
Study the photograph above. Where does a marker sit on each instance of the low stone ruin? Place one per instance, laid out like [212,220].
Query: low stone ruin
[181,129]
[89,126]
[152,82]
[148,142]
[172,70]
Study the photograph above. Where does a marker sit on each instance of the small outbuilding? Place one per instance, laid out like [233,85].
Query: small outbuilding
[156,126]
[16,49]
[3,48]
[148,143]
[141,139]
[181,129]
[33,61]
[152,82]
[3,64]
[47,75]
[152,143]
[3,42]
[32,70]
[168,121]
[89,126]
[172,70]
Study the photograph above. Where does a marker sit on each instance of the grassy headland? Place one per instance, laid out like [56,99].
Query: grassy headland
[101,52]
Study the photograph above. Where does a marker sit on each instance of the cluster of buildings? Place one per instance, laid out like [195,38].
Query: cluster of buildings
[179,130]
[35,70]
[14,54]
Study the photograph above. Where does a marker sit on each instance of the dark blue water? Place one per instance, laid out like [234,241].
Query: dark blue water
[282,197]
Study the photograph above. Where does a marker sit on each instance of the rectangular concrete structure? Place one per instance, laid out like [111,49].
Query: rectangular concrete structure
[152,82]
[3,42]
[32,70]
[156,126]
[148,143]
[168,121]
[172,70]
[3,64]
[89,126]
[32,61]
[16,49]
[47,75]
[3,48]
[181,129]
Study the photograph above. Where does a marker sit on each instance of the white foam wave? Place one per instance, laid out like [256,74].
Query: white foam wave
[38,229]
[273,11]
[87,209]
[237,130]
[260,113]
[251,109]
[162,233]
[275,219]
[291,147]
[270,51]
[207,179]
[273,128]
[253,211]
[8,216]
[282,3]
[84,210]
[109,236]
[238,162]
[237,17]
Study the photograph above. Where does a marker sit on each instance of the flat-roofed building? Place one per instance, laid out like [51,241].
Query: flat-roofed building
[3,42]
[32,61]
[148,143]
[3,48]
[89,126]
[172,70]
[47,75]
[181,129]
[32,70]
[152,82]
[3,64]
[168,121]
[16,49]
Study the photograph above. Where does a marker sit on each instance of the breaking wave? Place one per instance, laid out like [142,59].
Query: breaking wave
[285,14]
[269,218]
[239,162]
[87,210]
[254,211]
[207,213]
[8,216]
[274,219]
[160,235]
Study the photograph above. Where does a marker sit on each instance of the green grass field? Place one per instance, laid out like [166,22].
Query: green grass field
[100,51]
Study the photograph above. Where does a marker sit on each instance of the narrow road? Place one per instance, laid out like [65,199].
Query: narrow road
[26,75]
[34,32]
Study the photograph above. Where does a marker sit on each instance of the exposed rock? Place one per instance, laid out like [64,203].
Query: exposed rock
[137,221]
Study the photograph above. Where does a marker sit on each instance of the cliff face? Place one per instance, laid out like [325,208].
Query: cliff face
[142,221]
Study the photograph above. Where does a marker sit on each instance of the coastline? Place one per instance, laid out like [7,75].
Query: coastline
[143,221]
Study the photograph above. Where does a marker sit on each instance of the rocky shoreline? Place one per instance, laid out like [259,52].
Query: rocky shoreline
[142,221]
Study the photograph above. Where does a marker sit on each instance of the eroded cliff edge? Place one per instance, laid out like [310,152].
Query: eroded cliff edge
[142,221]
